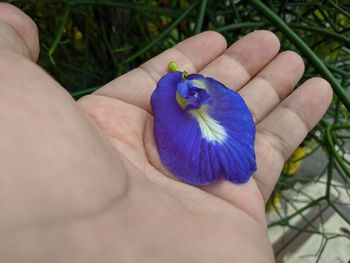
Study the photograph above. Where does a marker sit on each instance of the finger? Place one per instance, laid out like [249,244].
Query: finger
[191,55]
[271,85]
[235,68]
[18,32]
[280,133]
[243,59]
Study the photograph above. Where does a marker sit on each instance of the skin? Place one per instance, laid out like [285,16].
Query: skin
[82,181]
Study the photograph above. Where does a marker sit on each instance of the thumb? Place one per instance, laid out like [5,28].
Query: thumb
[18,32]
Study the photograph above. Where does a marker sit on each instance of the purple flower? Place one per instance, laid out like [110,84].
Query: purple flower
[203,130]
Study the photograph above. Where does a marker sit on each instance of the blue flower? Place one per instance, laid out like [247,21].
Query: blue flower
[203,130]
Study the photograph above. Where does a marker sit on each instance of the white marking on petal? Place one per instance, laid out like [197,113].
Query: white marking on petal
[199,83]
[210,128]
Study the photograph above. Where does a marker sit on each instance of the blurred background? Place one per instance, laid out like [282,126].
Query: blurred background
[86,43]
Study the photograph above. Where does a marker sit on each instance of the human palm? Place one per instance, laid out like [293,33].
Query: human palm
[83,182]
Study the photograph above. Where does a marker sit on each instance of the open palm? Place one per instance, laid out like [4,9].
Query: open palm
[83,182]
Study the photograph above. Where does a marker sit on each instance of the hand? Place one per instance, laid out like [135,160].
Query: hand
[82,182]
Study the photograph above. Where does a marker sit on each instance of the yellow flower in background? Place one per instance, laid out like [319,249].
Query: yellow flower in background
[273,202]
[77,34]
[294,162]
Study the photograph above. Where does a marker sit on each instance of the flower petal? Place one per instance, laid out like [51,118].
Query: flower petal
[201,145]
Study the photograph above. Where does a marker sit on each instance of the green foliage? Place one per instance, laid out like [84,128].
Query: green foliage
[86,43]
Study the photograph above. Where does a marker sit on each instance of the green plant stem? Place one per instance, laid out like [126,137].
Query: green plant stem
[329,175]
[59,33]
[341,126]
[240,26]
[332,148]
[300,44]
[304,218]
[109,47]
[80,93]
[336,209]
[86,47]
[285,220]
[321,248]
[335,69]
[200,18]
[337,110]
[303,3]
[319,30]
[341,10]
[327,19]
[136,7]
[235,26]
[341,174]
[282,7]
[307,154]
[160,36]
[235,11]
[77,69]
[343,137]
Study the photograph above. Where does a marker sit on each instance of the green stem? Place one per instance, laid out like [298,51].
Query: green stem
[334,151]
[335,69]
[160,36]
[289,217]
[337,110]
[300,44]
[80,93]
[307,154]
[341,10]
[336,209]
[341,174]
[235,11]
[343,137]
[60,33]
[303,3]
[322,31]
[83,71]
[240,26]
[341,126]
[136,7]
[304,218]
[235,26]
[108,45]
[328,20]
[329,175]
[200,18]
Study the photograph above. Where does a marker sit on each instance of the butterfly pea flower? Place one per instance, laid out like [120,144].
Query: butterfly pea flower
[203,130]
